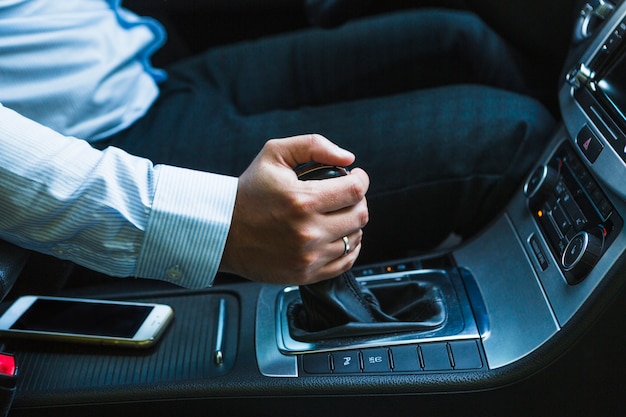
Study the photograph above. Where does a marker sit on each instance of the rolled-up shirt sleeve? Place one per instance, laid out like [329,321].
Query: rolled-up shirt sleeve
[110,211]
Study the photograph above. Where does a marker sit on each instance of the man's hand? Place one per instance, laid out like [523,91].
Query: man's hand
[287,231]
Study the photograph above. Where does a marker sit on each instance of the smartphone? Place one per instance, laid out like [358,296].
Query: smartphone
[81,320]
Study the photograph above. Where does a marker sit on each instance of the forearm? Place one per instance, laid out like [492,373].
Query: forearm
[107,210]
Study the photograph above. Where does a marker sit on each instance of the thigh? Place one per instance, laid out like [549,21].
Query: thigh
[377,56]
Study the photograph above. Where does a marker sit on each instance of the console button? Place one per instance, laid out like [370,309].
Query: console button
[466,355]
[560,219]
[538,251]
[346,362]
[573,210]
[316,363]
[435,356]
[560,189]
[589,144]
[405,358]
[605,208]
[376,360]
[551,233]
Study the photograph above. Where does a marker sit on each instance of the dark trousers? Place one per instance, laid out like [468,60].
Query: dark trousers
[431,102]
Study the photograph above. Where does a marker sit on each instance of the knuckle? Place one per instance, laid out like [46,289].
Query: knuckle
[300,203]
[357,190]
[271,144]
[315,137]
[310,140]
[304,236]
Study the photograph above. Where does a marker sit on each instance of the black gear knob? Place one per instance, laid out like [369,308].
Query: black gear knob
[317,171]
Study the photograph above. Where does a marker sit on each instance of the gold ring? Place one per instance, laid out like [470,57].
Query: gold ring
[346,245]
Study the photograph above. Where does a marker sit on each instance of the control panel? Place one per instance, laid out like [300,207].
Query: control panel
[573,212]
[460,355]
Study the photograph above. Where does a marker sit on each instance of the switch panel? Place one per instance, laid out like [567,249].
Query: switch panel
[575,216]
[453,356]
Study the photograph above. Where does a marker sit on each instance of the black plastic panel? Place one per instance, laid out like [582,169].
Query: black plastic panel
[185,353]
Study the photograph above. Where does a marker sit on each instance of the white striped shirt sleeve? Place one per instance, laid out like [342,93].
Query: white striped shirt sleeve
[110,211]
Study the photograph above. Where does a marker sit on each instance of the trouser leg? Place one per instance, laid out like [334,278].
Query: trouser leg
[382,56]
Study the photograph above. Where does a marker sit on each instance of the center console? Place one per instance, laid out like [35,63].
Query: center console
[516,286]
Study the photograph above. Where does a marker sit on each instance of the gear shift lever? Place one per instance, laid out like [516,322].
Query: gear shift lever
[341,306]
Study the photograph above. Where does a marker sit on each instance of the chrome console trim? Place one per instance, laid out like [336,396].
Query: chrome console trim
[271,361]
[528,303]
[520,317]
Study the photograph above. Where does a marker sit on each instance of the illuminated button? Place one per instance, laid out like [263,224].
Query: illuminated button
[376,360]
[7,365]
[346,362]
[589,144]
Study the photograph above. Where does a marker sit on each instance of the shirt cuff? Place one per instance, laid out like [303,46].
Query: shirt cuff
[187,226]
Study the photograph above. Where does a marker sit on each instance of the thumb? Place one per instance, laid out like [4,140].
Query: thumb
[313,147]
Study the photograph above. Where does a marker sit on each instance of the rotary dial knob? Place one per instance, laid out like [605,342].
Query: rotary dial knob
[541,184]
[580,255]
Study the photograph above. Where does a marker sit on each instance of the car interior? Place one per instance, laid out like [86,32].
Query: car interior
[524,319]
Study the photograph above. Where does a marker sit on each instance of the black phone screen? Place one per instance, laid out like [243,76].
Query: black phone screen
[97,319]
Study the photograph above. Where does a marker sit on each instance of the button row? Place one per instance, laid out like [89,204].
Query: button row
[598,198]
[426,357]
[565,212]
